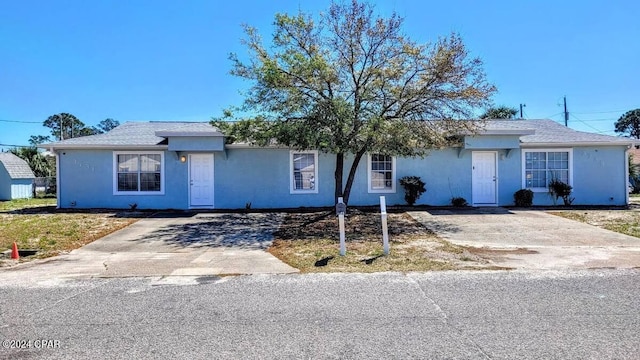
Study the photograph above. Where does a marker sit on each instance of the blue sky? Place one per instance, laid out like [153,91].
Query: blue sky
[168,60]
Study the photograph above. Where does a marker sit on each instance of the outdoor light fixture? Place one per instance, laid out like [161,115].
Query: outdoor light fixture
[183,158]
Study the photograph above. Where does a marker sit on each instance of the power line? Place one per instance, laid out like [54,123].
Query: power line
[21,122]
[601,112]
[597,130]
[20,146]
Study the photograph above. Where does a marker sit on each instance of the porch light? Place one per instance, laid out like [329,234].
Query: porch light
[183,159]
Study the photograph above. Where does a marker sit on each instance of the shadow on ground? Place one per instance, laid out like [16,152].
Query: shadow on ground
[247,231]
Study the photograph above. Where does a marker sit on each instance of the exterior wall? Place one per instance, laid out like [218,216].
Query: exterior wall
[5,184]
[86,179]
[262,177]
[22,188]
[196,143]
[599,177]
[14,188]
[492,142]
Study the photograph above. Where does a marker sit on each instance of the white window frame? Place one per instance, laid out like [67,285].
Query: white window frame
[137,193]
[292,183]
[546,150]
[393,177]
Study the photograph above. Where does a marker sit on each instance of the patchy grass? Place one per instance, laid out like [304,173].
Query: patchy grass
[19,204]
[309,242]
[622,221]
[33,224]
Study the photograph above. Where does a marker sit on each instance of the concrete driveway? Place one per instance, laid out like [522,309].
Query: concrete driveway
[169,244]
[533,239]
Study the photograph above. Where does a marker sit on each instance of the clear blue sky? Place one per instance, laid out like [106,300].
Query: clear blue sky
[168,60]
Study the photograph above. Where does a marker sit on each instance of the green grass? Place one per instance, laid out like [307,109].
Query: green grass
[19,204]
[622,221]
[49,232]
[53,233]
[624,227]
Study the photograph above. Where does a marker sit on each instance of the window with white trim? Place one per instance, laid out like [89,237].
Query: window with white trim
[138,173]
[543,165]
[381,173]
[304,171]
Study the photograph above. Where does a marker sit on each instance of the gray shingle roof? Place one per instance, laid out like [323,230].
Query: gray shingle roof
[15,166]
[143,134]
[551,132]
[136,134]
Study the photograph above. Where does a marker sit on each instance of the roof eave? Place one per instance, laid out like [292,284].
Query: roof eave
[101,147]
[576,143]
[188,134]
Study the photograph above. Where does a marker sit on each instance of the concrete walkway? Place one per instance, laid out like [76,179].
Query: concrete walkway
[164,245]
[552,242]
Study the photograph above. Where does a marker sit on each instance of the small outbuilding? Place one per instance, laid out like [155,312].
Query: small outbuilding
[16,177]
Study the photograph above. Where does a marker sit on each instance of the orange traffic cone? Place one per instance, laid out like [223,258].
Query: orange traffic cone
[14,252]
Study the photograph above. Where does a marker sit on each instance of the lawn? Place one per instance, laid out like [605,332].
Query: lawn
[310,243]
[35,224]
[622,221]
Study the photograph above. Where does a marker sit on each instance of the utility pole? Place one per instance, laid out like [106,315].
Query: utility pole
[521,106]
[566,113]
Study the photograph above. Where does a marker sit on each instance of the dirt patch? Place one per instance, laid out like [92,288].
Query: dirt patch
[310,243]
[624,221]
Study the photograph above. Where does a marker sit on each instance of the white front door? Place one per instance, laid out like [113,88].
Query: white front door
[484,183]
[201,180]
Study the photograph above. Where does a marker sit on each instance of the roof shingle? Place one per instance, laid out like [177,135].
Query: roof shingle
[16,167]
[137,134]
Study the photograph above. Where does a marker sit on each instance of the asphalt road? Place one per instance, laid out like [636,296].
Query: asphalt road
[451,315]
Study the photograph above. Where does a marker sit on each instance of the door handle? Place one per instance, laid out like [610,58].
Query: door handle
[191,182]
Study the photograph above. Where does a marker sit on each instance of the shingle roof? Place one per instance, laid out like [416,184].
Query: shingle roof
[551,132]
[136,134]
[143,134]
[15,166]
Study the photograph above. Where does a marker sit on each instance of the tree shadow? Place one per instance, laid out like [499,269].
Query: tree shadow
[370,260]
[246,231]
[324,261]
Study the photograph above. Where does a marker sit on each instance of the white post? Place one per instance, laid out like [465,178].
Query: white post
[385,231]
[343,246]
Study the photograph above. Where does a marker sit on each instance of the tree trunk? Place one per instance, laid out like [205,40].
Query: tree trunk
[338,176]
[352,175]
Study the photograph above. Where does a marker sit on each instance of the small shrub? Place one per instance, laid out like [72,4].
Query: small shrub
[560,189]
[413,188]
[523,197]
[459,202]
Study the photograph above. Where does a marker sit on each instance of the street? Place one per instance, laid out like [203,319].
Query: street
[591,314]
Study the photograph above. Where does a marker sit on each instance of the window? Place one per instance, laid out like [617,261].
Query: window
[542,166]
[138,173]
[304,172]
[381,170]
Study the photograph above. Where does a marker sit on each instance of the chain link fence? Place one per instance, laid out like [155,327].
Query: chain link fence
[44,187]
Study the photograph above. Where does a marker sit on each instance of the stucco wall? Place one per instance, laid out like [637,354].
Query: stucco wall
[261,177]
[599,177]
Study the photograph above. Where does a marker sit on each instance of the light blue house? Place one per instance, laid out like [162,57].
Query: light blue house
[16,178]
[179,165]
